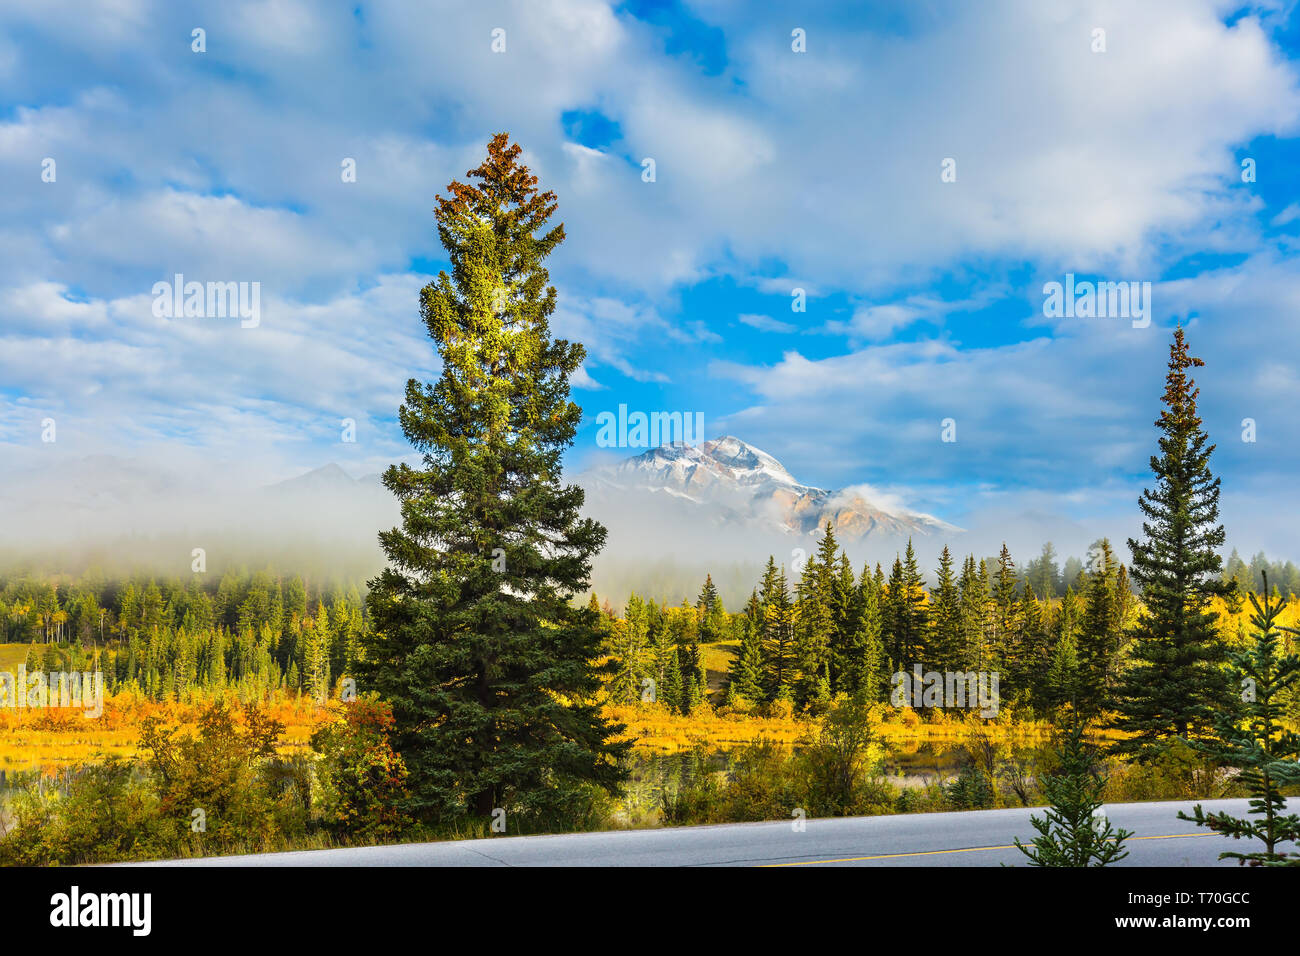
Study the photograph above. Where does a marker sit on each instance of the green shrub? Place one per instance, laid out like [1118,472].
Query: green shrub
[107,814]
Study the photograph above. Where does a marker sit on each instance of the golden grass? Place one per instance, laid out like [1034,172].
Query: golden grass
[717,659]
[653,728]
[50,739]
[13,656]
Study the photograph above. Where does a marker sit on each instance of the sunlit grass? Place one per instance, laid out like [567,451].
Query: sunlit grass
[52,738]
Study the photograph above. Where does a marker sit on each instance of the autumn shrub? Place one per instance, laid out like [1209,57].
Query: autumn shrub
[758,786]
[219,788]
[360,777]
[761,785]
[697,798]
[211,785]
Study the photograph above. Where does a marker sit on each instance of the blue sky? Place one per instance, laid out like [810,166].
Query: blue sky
[775,170]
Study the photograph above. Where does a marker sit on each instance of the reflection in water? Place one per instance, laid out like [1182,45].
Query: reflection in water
[657,774]
[907,766]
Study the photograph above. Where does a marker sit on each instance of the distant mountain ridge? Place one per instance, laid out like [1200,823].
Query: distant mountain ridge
[327,478]
[729,481]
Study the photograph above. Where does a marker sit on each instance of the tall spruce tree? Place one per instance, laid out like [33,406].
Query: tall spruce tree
[628,644]
[746,675]
[1044,574]
[1035,649]
[847,612]
[973,596]
[906,613]
[1006,630]
[778,632]
[668,691]
[946,618]
[815,629]
[863,671]
[713,616]
[695,687]
[1099,631]
[476,642]
[1176,683]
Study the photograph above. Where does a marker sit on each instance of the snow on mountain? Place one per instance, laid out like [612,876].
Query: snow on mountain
[731,482]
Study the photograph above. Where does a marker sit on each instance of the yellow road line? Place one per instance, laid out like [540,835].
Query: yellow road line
[970,849]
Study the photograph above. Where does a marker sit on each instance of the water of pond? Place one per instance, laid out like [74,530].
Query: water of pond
[657,774]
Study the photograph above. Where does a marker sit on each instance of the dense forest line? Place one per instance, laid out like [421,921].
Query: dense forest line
[1053,635]
[1052,631]
[253,633]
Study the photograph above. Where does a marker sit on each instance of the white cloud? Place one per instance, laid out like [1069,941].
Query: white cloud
[765,323]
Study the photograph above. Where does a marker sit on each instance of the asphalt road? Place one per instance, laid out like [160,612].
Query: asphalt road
[974,838]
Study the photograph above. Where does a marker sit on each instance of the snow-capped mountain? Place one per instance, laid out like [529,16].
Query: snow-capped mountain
[730,482]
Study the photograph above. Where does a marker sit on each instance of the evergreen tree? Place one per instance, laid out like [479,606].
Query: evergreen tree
[746,676]
[695,687]
[1073,833]
[1265,752]
[1175,683]
[316,661]
[1099,632]
[846,613]
[815,622]
[476,642]
[945,617]
[1006,627]
[1034,650]
[1043,574]
[669,690]
[906,614]
[628,643]
[861,670]
[1063,674]
[712,615]
[778,632]
[973,593]
[894,616]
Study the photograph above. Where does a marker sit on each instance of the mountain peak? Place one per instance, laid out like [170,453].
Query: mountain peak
[742,456]
[323,478]
[739,483]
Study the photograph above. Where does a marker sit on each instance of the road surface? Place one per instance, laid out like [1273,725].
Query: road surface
[974,838]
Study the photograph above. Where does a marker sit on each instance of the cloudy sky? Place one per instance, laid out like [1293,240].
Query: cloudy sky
[1167,157]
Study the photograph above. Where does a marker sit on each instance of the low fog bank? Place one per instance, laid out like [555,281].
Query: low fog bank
[662,548]
[124,516]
